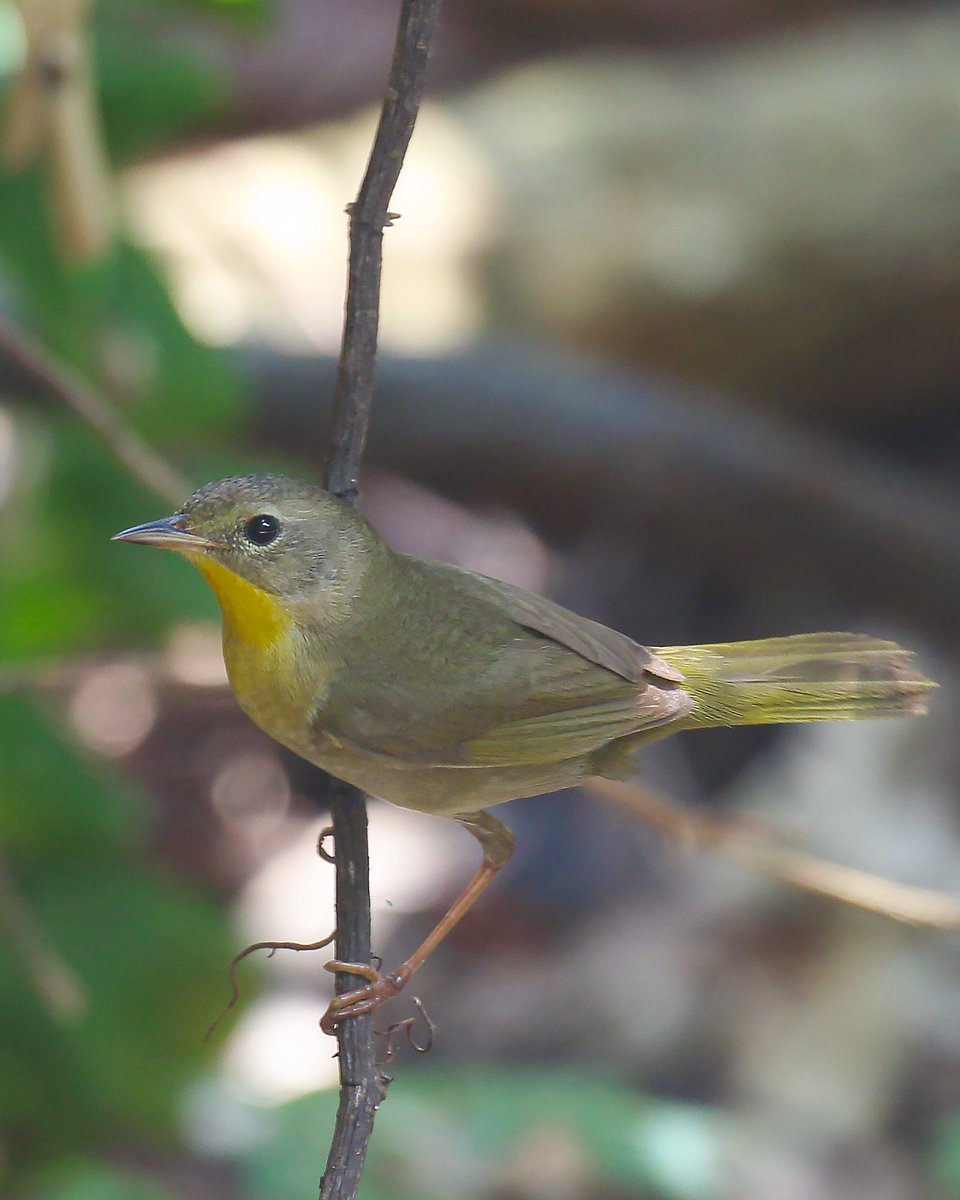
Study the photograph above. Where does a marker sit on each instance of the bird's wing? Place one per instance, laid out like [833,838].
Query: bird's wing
[545,685]
[547,738]
[570,734]
[595,642]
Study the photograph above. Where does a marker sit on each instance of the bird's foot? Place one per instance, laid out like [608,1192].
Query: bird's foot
[366,999]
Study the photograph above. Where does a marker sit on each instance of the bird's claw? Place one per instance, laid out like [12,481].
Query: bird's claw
[366,999]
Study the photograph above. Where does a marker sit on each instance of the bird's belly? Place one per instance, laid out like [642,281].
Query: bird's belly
[281,690]
[446,790]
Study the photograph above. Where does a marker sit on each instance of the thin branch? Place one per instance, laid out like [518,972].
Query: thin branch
[139,458]
[732,839]
[369,217]
[361,1086]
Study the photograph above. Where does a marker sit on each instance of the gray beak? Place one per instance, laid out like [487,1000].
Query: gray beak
[168,532]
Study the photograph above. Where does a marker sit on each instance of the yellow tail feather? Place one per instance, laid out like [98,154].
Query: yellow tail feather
[809,677]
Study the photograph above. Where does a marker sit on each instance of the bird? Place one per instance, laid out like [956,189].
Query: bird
[448,692]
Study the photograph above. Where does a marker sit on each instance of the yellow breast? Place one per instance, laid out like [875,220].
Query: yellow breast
[271,672]
[250,615]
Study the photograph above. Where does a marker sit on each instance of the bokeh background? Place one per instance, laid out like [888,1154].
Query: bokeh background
[670,331]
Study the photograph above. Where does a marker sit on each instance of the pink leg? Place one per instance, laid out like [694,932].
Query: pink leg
[498,844]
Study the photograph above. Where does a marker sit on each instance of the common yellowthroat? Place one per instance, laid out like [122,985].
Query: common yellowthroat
[444,691]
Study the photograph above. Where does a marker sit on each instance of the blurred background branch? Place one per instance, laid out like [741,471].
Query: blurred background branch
[27,359]
[743,843]
[59,989]
[570,444]
[51,118]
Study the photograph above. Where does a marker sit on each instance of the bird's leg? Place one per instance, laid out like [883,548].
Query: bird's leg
[498,843]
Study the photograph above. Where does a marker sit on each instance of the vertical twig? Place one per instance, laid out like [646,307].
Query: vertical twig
[361,1088]
[368,219]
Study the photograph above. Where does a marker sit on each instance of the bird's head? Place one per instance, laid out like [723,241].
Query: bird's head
[268,545]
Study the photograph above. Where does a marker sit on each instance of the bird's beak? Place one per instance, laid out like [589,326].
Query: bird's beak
[170,532]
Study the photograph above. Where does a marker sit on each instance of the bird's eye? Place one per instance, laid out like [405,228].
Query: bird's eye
[261,529]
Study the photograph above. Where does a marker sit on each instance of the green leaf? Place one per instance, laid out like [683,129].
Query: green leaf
[152,84]
[149,951]
[151,956]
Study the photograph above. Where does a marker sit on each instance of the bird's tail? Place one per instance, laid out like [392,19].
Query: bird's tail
[809,677]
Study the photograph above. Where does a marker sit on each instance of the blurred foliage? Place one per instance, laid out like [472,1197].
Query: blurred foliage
[65,588]
[149,949]
[437,1138]
[78,1180]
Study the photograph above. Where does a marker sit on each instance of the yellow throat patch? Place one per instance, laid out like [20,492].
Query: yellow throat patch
[249,614]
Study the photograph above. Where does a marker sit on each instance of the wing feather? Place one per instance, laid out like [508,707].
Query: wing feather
[487,675]
[570,734]
[595,642]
